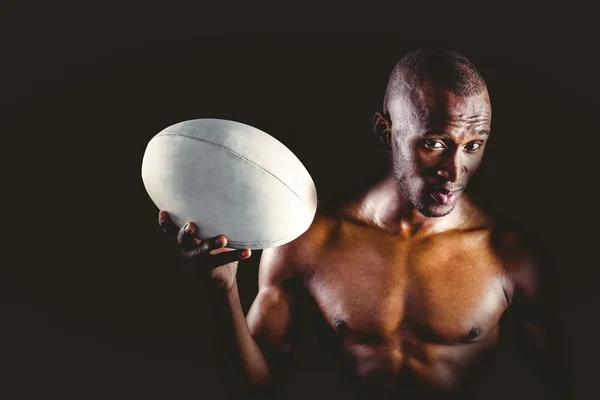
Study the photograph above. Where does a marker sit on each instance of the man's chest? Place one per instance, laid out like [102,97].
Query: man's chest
[444,290]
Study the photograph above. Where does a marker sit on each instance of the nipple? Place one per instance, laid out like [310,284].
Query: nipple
[340,325]
[473,333]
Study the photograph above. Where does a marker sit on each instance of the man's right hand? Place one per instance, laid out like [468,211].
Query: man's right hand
[210,256]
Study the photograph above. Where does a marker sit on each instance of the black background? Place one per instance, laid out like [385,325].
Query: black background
[95,304]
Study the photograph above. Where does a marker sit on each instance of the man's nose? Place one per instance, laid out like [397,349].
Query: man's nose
[452,166]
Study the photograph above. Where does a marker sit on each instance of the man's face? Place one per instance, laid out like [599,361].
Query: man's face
[438,140]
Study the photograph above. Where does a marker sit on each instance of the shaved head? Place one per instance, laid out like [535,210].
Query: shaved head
[426,68]
[437,117]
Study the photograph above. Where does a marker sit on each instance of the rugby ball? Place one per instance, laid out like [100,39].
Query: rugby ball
[229,178]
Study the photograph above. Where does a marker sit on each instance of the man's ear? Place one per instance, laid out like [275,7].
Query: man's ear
[382,128]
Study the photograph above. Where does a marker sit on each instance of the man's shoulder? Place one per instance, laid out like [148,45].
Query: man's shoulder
[516,248]
[511,240]
[507,238]
[524,259]
[295,257]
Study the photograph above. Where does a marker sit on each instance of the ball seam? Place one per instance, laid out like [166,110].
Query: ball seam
[237,154]
[238,243]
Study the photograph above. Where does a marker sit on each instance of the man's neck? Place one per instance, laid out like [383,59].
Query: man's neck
[384,204]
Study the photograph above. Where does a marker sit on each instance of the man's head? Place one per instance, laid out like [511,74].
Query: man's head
[436,122]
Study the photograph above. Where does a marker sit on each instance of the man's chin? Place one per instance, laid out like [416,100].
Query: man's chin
[435,210]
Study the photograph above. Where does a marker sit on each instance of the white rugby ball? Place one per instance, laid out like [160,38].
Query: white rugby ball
[229,178]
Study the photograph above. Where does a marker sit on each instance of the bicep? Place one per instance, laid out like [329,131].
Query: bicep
[270,316]
[535,303]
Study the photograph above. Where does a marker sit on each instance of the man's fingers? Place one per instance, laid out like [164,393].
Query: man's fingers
[165,222]
[211,261]
[215,243]
[227,257]
[205,247]
[185,236]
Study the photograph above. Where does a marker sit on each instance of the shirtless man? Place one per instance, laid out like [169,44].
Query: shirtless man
[409,274]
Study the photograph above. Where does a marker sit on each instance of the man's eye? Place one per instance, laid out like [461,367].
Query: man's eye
[435,144]
[473,146]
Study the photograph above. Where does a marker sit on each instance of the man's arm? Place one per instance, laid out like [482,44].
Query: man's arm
[264,334]
[535,309]
[269,317]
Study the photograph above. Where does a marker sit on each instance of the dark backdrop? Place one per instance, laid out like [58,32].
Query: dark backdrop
[95,304]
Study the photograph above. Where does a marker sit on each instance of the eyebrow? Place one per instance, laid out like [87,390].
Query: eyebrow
[437,132]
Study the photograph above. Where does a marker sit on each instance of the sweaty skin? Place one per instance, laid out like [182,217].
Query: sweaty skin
[408,274]
[426,304]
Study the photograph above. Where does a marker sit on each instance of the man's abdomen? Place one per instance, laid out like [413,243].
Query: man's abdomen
[393,362]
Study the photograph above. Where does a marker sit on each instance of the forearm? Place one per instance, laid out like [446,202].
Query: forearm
[250,355]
